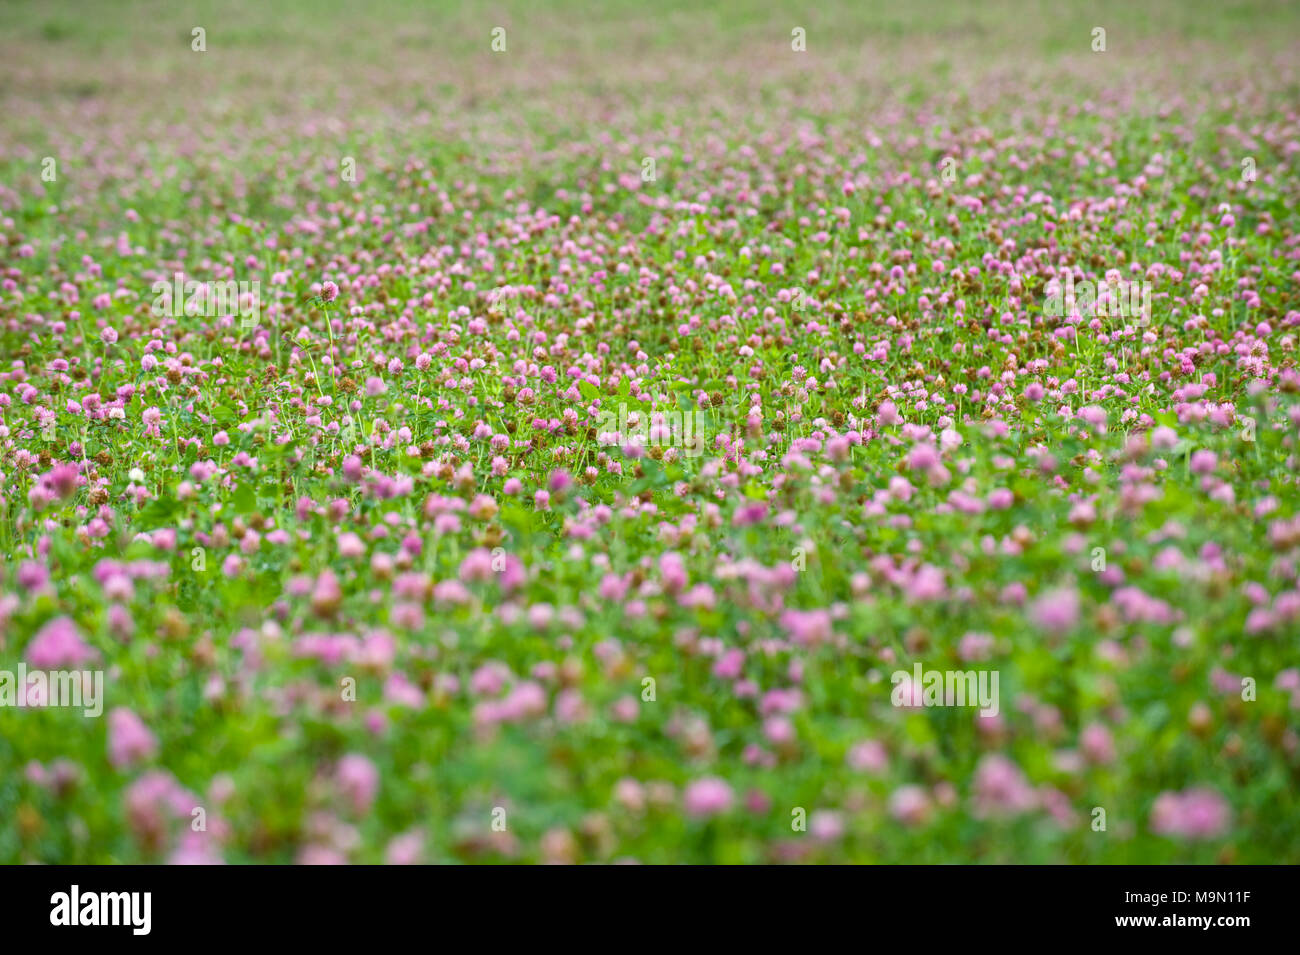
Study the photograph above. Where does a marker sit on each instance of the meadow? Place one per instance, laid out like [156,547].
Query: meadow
[574,432]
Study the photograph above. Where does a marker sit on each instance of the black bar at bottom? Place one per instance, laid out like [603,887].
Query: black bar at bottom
[268,904]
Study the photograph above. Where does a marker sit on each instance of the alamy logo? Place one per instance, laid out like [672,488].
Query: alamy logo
[1112,298]
[946,688]
[134,909]
[656,429]
[179,298]
[80,689]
